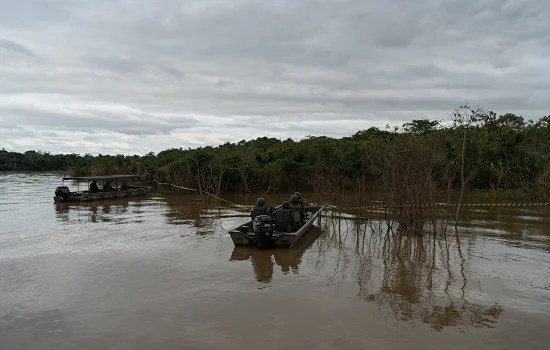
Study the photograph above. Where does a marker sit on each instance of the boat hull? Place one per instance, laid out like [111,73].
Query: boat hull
[280,239]
[91,197]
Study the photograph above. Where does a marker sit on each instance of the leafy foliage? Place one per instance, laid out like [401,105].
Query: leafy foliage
[500,152]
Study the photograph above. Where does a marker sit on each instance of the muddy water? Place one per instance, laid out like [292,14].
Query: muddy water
[161,272]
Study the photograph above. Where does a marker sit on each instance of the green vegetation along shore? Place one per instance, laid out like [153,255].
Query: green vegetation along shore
[477,149]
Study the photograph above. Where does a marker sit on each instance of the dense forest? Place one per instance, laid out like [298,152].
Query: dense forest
[474,149]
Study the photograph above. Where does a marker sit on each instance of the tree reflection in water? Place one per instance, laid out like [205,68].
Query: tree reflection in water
[416,277]
[194,212]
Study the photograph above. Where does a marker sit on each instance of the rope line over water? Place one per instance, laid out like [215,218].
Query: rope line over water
[381,206]
[195,190]
[440,205]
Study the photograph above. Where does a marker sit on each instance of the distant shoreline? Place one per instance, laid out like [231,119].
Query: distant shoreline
[478,151]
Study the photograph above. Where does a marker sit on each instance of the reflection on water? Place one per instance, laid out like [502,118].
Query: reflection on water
[162,271]
[190,210]
[409,278]
[102,211]
[287,259]
[419,278]
[527,227]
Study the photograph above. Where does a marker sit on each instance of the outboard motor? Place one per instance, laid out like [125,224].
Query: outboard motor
[263,230]
[62,193]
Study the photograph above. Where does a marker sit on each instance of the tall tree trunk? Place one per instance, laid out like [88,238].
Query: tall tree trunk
[463,183]
[243,177]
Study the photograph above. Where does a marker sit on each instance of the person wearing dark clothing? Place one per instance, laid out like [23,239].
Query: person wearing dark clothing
[302,203]
[258,209]
[296,214]
[282,217]
[107,187]
[93,187]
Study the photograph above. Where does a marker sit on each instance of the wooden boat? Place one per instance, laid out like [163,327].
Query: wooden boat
[244,235]
[63,193]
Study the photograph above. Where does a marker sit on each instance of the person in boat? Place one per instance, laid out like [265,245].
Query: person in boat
[259,208]
[107,187]
[282,217]
[93,187]
[302,203]
[296,212]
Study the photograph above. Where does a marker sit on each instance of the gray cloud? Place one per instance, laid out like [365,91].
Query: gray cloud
[173,74]
[62,114]
[15,47]
[34,13]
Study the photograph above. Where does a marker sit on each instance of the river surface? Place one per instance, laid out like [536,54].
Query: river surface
[161,272]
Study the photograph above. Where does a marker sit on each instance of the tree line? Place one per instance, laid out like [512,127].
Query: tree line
[474,148]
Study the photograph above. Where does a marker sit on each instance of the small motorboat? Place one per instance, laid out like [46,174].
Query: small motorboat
[278,227]
[95,193]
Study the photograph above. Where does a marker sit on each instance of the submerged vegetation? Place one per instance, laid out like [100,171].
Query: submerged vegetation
[474,149]
[417,277]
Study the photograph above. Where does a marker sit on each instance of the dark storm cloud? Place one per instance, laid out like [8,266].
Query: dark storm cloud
[168,73]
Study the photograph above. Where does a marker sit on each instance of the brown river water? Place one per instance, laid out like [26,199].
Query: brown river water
[161,272]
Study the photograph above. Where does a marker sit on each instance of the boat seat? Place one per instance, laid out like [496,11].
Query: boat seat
[257,211]
[296,218]
[282,217]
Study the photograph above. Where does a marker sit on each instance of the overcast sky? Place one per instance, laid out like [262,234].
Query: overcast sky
[134,76]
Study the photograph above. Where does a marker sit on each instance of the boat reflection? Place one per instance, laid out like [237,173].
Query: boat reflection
[111,211]
[288,260]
